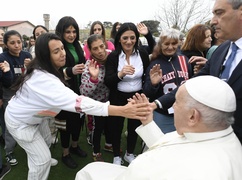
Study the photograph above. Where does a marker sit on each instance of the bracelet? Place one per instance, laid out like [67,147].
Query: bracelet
[156,103]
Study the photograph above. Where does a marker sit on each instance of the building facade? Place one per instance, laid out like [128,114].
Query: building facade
[23,27]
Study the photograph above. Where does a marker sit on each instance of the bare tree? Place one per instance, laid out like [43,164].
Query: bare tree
[182,14]
[153,26]
[89,25]
[107,24]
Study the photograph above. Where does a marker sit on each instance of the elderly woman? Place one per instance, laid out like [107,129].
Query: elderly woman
[167,70]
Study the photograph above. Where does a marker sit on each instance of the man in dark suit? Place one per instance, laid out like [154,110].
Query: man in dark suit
[227,21]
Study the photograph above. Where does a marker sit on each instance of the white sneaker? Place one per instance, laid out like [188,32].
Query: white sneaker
[54,162]
[54,140]
[129,157]
[117,160]
[126,133]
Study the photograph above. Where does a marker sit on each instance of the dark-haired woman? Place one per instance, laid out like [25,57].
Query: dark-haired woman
[125,69]
[93,86]
[98,28]
[18,60]
[68,30]
[114,31]
[41,91]
[38,30]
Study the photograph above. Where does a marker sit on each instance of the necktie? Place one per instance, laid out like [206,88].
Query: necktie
[225,73]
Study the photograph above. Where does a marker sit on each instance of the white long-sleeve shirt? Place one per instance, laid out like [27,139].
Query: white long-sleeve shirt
[45,95]
[194,156]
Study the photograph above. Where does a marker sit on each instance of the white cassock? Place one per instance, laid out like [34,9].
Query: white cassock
[194,156]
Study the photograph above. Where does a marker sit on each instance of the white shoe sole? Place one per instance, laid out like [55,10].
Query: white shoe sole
[54,162]
[127,160]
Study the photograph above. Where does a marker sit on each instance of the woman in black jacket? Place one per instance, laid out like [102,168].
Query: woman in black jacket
[68,30]
[125,68]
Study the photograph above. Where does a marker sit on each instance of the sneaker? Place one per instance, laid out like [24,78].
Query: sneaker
[117,160]
[54,162]
[11,159]
[110,149]
[129,157]
[78,151]
[89,138]
[97,157]
[126,133]
[5,170]
[54,140]
[69,162]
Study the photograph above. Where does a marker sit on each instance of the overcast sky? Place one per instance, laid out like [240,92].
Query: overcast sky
[82,10]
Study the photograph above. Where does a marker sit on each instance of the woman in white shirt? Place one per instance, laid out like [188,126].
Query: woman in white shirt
[125,69]
[41,92]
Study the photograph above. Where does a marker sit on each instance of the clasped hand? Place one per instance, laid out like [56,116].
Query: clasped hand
[5,66]
[143,107]
[198,61]
[27,61]
[78,69]
[127,70]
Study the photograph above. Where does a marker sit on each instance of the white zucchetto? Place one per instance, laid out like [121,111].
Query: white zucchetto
[212,92]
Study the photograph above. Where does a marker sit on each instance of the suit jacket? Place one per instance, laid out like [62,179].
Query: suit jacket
[214,67]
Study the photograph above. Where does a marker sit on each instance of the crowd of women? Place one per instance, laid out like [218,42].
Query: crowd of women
[54,80]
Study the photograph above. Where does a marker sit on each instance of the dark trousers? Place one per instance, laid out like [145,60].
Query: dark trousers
[65,138]
[73,129]
[100,125]
[117,124]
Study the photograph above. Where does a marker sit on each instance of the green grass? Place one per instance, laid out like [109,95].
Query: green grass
[61,172]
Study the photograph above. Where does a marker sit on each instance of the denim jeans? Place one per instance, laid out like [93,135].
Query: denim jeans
[165,122]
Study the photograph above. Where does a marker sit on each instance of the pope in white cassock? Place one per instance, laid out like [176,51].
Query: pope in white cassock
[204,147]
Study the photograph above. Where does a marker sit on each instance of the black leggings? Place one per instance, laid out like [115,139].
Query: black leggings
[73,129]
[117,124]
[117,128]
[100,125]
